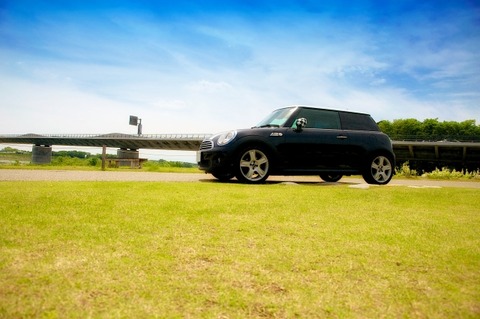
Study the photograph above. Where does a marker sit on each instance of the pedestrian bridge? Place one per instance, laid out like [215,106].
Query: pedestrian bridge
[420,154]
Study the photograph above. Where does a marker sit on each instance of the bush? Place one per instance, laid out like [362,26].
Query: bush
[68,161]
[92,161]
[166,166]
[406,171]
[444,173]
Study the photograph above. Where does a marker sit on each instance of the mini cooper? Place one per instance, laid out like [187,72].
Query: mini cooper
[301,140]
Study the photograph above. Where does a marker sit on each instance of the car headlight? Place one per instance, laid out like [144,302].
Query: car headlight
[226,138]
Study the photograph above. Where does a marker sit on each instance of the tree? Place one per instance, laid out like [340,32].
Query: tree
[431,130]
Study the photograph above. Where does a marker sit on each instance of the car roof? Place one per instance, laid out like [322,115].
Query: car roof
[323,108]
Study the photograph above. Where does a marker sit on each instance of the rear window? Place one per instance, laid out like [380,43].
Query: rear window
[362,122]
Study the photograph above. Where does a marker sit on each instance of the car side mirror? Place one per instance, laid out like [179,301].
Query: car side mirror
[301,123]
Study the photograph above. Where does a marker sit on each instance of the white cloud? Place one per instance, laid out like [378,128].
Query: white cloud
[205,86]
[40,108]
[171,105]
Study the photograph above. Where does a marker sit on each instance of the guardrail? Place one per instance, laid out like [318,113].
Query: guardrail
[427,156]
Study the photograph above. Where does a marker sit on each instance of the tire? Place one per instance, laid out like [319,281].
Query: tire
[379,170]
[223,177]
[253,165]
[331,178]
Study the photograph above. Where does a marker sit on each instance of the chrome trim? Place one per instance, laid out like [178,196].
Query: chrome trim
[206,145]
[276,134]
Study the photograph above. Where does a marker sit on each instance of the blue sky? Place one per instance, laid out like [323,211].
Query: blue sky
[208,66]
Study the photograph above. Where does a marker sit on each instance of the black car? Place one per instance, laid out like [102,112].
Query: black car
[301,140]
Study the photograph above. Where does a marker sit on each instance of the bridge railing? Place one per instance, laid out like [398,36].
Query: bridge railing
[110,135]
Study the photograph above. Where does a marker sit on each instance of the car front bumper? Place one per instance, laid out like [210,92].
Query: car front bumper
[214,161]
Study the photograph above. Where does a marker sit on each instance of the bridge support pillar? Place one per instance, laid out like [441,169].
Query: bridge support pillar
[125,153]
[125,156]
[41,154]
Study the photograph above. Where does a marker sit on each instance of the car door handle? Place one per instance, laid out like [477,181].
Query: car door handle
[342,137]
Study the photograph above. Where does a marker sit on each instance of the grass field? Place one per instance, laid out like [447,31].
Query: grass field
[211,250]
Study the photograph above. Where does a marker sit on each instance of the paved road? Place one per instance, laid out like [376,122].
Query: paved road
[139,176]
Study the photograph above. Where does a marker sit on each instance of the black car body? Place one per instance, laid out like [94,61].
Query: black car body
[301,140]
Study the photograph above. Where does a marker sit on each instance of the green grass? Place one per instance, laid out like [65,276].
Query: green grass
[82,165]
[92,163]
[211,250]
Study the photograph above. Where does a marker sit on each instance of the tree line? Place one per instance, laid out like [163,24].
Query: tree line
[431,130]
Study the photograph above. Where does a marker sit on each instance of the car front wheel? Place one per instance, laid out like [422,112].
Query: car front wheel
[379,170]
[253,166]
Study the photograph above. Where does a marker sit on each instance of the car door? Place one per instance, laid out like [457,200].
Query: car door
[358,132]
[317,146]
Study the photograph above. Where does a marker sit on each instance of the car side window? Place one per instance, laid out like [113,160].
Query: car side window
[362,122]
[322,119]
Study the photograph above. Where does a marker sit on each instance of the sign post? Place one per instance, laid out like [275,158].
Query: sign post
[104,156]
[135,121]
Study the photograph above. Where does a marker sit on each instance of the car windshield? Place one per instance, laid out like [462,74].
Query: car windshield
[277,118]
